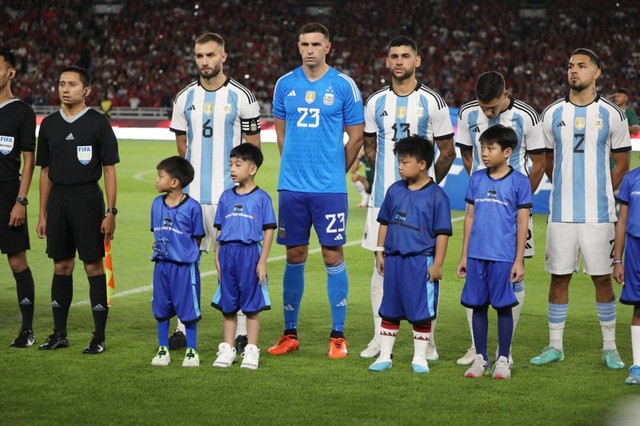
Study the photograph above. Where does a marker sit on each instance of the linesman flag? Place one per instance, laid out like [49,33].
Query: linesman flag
[111,282]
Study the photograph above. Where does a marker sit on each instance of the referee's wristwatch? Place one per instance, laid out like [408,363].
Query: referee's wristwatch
[22,200]
[112,210]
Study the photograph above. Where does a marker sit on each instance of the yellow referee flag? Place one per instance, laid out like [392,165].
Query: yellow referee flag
[111,282]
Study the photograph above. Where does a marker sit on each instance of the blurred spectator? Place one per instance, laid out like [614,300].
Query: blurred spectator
[621,97]
[144,51]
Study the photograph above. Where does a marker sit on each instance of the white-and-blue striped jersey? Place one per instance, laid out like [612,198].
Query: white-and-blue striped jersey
[214,122]
[391,117]
[582,138]
[519,116]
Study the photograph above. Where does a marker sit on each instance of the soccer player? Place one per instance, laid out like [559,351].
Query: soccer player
[621,97]
[415,225]
[311,106]
[76,145]
[494,105]
[628,274]
[176,223]
[17,135]
[211,116]
[498,201]
[403,108]
[245,222]
[582,132]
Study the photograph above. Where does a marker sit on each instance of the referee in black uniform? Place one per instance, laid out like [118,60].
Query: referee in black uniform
[17,135]
[75,146]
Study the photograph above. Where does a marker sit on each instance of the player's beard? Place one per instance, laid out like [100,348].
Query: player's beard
[213,73]
[405,75]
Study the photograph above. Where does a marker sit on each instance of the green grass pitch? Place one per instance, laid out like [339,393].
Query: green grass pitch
[120,386]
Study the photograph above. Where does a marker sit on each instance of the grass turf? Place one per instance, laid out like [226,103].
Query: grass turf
[120,386]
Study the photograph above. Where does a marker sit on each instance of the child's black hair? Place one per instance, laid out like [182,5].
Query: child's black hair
[178,168]
[248,152]
[504,136]
[417,147]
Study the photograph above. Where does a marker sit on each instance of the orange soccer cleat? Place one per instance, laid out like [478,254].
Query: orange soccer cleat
[337,348]
[286,343]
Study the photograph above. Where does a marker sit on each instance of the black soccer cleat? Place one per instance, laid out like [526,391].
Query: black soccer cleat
[54,341]
[241,343]
[177,341]
[25,339]
[96,346]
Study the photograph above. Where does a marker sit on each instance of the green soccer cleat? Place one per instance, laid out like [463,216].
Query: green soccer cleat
[611,358]
[549,355]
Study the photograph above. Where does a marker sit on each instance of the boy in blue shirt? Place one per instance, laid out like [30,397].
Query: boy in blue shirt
[415,225]
[495,233]
[176,223]
[245,221]
[628,233]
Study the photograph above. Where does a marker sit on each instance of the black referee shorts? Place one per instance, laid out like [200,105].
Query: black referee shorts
[74,216]
[13,239]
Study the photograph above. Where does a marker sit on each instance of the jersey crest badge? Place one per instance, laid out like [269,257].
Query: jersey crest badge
[6,144]
[419,112]
[208,108]
[85,153]
[227,109]
[599,124]
[310,96]
[401,112]
[328,99]
[580,123]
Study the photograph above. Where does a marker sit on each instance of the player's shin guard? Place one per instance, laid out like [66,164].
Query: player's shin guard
[421,338]
[26,297]
[607,317]
[292,291]
[377,283]
[635,344]
[557,317]
[241,324]
[99,308]
[163,333]
[388,333]
[505,331]
[480,331]
[61,296]
[518,289]
[192,335]
[338,290]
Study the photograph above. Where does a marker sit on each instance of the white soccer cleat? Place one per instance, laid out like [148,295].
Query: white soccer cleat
[501,369]
[432,351]
[372,350]
[226,356]
[191,358]
[419,365]
[251,357]
[468,358]
[162,358]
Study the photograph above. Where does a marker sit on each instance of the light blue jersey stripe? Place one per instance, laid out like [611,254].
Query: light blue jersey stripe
[473,124]
[517,122]
[381,152]
[194,289]
[579,163]
[190,97]
[556,195]
[206,167]
[602,167]
[229,137]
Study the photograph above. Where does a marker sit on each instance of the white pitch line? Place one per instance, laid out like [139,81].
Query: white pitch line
[149,287]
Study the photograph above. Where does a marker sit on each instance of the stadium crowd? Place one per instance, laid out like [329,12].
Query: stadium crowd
[142,56]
